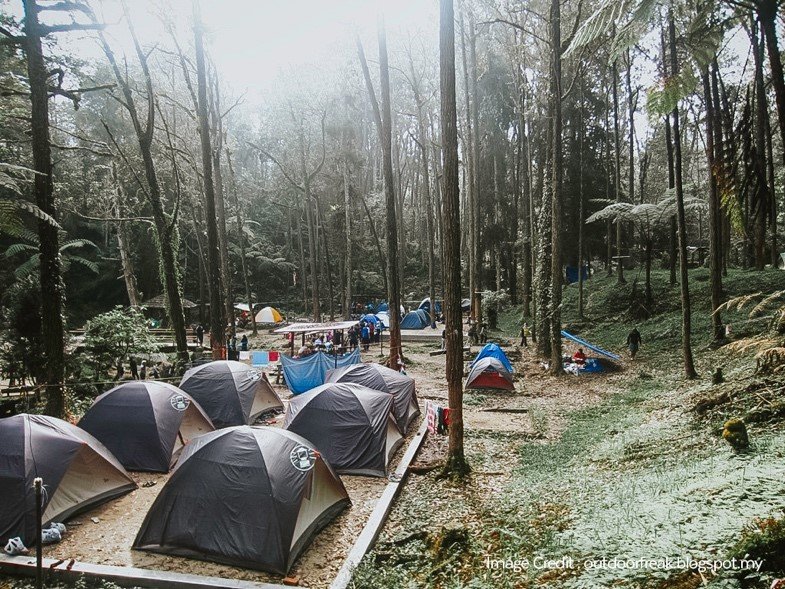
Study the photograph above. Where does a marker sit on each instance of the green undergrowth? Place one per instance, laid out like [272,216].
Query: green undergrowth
[641,473]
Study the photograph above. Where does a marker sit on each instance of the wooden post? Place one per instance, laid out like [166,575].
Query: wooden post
[39,554]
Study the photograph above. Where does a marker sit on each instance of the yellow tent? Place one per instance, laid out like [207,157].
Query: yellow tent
[269,315]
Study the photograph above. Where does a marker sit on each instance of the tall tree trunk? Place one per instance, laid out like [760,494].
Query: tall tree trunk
[617,169]
[476,228]
[581,205]
[715,218]
[383,118]
[469,161]
[767,13]
[327,261]
[129,276]
[426,183]
[240,224]
[456,461]
[385,132]
[377,241]
[347,306]
[556,186]
[217,322]
[608,190]
[526,254]
[760,206]
[51,283]
[771,180]
[313,255]
[672,237]
[686,320]
[543,272]
[303,272]
[220,209]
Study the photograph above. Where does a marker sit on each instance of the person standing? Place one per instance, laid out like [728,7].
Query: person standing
[200,335]
[634,342]
[525,333]
[365,336]
[473,333]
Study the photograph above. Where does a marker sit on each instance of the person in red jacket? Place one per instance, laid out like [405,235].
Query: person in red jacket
[579,357]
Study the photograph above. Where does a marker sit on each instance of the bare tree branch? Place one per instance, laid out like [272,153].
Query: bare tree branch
[271,157]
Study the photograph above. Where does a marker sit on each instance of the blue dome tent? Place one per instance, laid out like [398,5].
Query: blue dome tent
[418,319]
[493,351]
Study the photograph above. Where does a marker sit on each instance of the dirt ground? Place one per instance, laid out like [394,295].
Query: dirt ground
[104,535]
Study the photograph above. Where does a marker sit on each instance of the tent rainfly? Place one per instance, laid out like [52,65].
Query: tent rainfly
[231,393]
[77,470]
[245,496]
[145,424]
[489,373]
[381,378]
[425,305]
[351,425]
[494,351]
[384,319]
[269,315]
[418,319]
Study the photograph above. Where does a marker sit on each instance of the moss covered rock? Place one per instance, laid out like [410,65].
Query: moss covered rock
[735,433]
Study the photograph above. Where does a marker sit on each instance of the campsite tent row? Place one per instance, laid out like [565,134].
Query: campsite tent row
[277,480]
[357,417]
[352,425]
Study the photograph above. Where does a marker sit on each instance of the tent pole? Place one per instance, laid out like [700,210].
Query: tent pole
[39,555]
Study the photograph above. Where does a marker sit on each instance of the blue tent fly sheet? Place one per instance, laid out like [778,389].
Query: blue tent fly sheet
[425,305]
[494,351]
[304,374]
[589,346]
[418,319]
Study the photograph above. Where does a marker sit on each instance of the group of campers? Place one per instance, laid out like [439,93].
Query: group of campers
[364,334]
[329,342]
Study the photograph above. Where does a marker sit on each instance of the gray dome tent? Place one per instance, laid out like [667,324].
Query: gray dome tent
[77,470]
[351,425]
[489,373]
[231,393]
[145,424]
[381,378]
[246,496]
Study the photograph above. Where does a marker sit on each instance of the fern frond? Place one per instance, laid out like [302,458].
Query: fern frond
[767,303]
[18,248]
[89,264]
[28,267]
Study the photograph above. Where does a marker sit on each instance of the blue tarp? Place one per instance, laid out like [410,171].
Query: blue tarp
[494,351]
[303,374]
[260,358]
[572,273]
[370,319]
[383,307]
[418,319]
[587,345]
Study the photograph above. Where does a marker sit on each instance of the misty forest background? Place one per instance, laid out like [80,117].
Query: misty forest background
[588,132]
